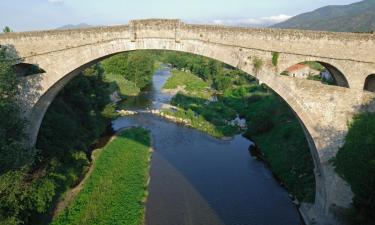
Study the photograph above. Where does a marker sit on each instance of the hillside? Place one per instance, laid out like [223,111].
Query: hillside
[356,17]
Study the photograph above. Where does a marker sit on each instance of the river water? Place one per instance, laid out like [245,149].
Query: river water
[199,180]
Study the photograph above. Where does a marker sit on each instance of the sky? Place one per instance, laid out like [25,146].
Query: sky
[25,15]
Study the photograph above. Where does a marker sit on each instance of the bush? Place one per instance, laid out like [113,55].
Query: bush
[275,58]
[355,162]
[254,98]
[258,64]
[261,122]
[137,67]
[222,82]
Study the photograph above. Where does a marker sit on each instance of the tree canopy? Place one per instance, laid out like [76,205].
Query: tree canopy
[7,29]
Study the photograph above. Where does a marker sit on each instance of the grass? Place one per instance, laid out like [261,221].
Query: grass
[116,190]
[194,85]
[119,83]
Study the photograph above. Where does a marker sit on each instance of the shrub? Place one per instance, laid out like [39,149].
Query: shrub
[261,122]
[275,58]
[222,82]
[258,64]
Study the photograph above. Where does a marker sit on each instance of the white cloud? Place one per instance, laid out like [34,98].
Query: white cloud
[276,19]
[251,22]
[56,1]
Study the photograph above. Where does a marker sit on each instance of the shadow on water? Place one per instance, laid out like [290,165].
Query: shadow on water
[196,179]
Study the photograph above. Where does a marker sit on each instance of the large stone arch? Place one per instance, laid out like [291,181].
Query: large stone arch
[94,54]
[66,70]
[324,111]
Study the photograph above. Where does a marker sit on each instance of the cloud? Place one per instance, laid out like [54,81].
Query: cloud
[248,22]
[56,1]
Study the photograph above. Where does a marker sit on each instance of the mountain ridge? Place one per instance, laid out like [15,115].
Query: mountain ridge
[355,17]
[74,26]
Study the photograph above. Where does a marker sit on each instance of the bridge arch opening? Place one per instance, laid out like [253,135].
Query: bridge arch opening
[27,69]
[49,96]
[318,71]
[370,83]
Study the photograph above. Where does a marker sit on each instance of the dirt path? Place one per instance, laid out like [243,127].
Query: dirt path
[70,195]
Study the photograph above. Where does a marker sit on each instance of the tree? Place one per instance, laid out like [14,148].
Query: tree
[116,64]
[7,29]
[13,154]
[137,67]
[355,162]
[14,157]
[140,68]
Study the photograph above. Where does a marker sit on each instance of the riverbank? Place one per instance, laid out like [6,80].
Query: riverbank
[270,123]
[116,190]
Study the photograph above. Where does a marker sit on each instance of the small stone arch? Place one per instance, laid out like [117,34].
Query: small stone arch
[328,74]
[370,83]
[337,75]
[27,69]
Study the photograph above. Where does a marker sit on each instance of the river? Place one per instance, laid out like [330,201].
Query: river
[200,180]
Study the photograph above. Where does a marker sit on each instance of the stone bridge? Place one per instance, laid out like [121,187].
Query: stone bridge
[324,111]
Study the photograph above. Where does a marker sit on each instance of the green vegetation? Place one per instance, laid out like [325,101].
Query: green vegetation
[76,112]
[136,67]
[279,135]
[116,189]
[81,112]
[314,65]
[203,67]
[32,181]
[258,64]
[122,85]
[189,82]
[222,82]
[7,29]
[13,155]
[199,122]
[16,197]
[355,162]
[275,58]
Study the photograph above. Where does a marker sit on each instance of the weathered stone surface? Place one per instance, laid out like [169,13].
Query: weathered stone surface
[324,111]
